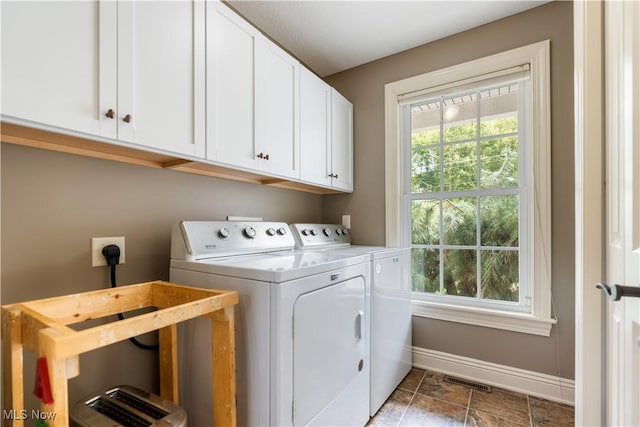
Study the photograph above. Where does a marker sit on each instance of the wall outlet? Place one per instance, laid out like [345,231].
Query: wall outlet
[97,243]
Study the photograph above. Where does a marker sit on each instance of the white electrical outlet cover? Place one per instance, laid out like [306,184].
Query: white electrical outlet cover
[97,243]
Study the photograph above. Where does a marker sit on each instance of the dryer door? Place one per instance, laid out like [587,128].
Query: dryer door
[329,354]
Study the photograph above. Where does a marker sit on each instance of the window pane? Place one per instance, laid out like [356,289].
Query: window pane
[499,221]
[460,118]
[499,110]
[459,221]
[460,166]
[499,163]
[425,222]
[425,124]
[425,270]
[425,170]
[499,275]
[460,272]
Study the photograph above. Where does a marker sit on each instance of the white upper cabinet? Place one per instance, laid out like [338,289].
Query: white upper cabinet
[183,77]
[51,72]
[132,71]
[315,129]
[161,97]
[230,87]
[341,142]
[326,134]
[276,109]
[252,97]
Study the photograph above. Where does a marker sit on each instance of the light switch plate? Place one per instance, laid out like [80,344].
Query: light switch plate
[346,221]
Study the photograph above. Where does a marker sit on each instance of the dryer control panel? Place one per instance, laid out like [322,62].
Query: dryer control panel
[197,240]
[320,235]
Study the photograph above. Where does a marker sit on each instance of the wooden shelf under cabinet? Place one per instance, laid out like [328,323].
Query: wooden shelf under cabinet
[42,327]
[12,133]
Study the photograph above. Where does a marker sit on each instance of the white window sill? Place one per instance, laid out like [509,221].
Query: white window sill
[509,321]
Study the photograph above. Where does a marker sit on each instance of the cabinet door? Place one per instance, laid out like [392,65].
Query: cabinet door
[341,142]
[161,75]
[51,71]
[276,109]
[315,129]
[230,87]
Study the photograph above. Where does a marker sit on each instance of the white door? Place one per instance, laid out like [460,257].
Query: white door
[315,129]
[161,75]
[341,142]
[58,64]
[276,110]
[622,59]
[328,351]
[230,87]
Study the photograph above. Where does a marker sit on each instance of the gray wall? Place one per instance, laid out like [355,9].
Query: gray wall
[53,203]
[364,87]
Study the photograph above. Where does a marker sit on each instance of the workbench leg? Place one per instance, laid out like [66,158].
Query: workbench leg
[56,414]
[223,367]
[12,369]
[168,337]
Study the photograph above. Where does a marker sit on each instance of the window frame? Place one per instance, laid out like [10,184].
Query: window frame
[540,319]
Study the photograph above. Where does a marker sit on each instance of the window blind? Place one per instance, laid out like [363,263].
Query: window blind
[517,73]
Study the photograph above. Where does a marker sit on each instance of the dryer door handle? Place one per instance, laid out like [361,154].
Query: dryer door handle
[359,319]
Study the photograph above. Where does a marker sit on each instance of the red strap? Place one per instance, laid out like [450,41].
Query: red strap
[42,388]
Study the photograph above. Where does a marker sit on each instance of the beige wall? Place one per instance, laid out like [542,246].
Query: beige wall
[52,204]
[364,87]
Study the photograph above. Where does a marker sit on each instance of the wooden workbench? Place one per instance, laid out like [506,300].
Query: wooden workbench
[42,327]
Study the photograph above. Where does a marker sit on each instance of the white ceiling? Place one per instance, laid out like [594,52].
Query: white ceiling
[332,36]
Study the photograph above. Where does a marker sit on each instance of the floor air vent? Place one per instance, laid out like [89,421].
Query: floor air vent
[474,385]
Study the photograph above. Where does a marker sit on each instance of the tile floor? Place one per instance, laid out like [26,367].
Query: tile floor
[425,399]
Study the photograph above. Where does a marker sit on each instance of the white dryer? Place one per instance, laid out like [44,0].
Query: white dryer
[300,340]
[390,303]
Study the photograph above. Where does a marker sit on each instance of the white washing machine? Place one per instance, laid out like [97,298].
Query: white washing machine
[300,325]
[390,303]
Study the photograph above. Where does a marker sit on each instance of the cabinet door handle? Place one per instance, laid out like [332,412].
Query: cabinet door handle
[260,156]
[110,114]
[127,118]
[266,157]
[333,175]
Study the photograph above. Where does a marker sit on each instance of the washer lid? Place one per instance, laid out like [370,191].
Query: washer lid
[273,267]
[375,252]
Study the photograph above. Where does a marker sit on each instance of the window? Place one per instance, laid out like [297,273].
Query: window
[468,189]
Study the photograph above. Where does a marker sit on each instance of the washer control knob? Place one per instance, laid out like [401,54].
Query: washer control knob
[313,232]
[271,231]
[327,232]
[305,232]
[224,233]
[339,232]
[282,231]
[345,231]
[250,232]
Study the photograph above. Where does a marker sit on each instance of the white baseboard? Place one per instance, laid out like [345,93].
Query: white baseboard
[533,383]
